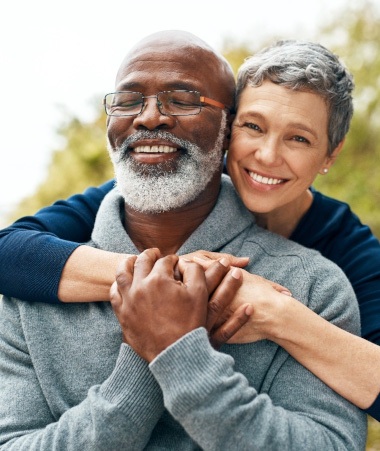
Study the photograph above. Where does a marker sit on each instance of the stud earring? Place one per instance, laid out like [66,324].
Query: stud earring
[325,170]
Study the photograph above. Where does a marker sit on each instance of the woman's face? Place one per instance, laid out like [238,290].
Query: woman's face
[278,146]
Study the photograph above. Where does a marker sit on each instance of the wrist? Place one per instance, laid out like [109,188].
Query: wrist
[88,275]
[279,328]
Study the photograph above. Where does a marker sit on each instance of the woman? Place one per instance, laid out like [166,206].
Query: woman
[288,96]
[294,109]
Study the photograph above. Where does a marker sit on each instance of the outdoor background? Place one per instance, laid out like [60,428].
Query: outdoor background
[58,59]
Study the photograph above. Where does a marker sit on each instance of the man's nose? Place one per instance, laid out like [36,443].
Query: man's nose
[151,117]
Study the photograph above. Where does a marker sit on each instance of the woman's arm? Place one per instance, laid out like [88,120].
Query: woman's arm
[88,275]
[34,250]
[350,365]
[41,259]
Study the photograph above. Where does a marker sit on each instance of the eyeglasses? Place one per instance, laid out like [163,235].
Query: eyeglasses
[169,103]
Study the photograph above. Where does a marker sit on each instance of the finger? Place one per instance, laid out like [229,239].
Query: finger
[228,329]
[166,266]
[205,259]
[205,263]
[115,296]
[145,263]
[223,296]
[240,262]
[215,274]
[124,273]
[281,289]
[193,276]
[255,279]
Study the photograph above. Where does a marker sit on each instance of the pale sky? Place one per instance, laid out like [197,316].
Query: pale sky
[58,55]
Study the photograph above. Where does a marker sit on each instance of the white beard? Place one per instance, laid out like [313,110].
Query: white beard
[152,188]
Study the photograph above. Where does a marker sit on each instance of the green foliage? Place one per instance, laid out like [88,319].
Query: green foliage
[355,37]
[373,439]
[83,161]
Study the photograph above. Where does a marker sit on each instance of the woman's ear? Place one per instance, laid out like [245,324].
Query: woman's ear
[330,159]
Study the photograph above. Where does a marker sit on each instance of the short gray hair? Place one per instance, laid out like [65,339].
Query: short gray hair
[305,66]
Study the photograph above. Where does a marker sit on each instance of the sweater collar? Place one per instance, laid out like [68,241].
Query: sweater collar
[228,219]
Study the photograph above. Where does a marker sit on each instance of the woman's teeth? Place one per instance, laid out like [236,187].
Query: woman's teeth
[265,180]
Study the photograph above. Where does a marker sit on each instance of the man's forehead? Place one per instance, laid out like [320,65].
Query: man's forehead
[170,53]
[174,67]
[167,57]
[147,81]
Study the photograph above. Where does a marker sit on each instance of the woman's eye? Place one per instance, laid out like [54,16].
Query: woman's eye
[301,139]
[252,126]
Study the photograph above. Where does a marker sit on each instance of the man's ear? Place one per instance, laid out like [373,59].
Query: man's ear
[227,138]
[330,159]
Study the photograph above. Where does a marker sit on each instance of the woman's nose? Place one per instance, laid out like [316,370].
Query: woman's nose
[269,152]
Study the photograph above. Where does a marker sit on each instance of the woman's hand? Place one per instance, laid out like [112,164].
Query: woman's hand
[268,301]
[206,258]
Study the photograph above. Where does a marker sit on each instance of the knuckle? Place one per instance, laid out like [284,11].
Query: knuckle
[214,307]
[121,279]
[224,335]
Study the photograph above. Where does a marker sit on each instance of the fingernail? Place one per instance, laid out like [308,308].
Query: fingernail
[224,261]
[236,273]
[288,293]
[249,310]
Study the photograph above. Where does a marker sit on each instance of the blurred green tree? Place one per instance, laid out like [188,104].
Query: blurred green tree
[355,37]
[81,162]
[353,34]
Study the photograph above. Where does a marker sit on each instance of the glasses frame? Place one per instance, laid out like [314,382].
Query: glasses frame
[202,99]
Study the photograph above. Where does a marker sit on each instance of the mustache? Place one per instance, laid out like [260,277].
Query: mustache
[148,134]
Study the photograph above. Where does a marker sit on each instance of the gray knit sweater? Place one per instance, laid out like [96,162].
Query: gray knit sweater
[68,383]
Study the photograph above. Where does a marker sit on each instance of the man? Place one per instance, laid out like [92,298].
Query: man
[81,377]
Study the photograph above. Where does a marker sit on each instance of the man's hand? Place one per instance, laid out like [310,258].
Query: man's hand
[158,300]
[153,308]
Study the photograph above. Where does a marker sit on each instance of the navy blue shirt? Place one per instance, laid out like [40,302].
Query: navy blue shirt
[41,244]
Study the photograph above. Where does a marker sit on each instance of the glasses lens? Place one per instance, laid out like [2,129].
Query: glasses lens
[179,103]
[124,103]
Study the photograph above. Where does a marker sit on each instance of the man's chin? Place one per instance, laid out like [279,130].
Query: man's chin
[159,193]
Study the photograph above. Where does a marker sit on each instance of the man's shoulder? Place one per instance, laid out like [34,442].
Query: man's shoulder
[304,271]
[278,251]
[274,245]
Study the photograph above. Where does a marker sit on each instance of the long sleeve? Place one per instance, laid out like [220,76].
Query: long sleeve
[334,230]
[374,410]
[118,413]
[34,250]
[236,403]
[220,408]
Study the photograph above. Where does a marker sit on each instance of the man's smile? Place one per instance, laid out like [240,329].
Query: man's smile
[154,149]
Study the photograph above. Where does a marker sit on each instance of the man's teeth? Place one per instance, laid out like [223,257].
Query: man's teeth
[155,149]
[265,180]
